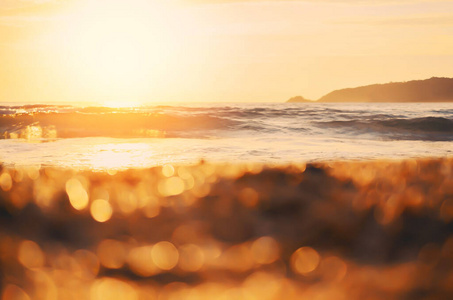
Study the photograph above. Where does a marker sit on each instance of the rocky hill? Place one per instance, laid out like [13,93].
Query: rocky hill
[434,89]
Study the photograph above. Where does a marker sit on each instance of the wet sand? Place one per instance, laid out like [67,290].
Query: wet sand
[337,230]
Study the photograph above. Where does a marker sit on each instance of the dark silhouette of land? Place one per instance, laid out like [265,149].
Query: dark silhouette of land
[298,99]
[434,89]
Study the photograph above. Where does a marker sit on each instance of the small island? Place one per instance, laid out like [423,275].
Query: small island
[298,99]
[435,89]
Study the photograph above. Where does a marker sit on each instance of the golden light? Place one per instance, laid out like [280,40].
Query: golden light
[77,194]
[13,292]
[152,209]
[101,210]
[333,269]
[185,174]
[33,172]
[238,258]
[6,182]
[191,258]
[305,260]
[140,261]
[260,268]
[261,285]
[88,264]
[112,254]
[115,156]
[115,49]
[30,255]
[168,170]
[171,187]
[265,250]
[110,288]
[165,255]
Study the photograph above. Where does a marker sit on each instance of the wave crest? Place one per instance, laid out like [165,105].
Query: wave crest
[426,128]
[111,124]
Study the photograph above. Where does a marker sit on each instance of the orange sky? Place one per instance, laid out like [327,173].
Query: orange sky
[136,51]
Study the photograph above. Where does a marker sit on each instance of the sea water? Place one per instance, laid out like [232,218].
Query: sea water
[100,138]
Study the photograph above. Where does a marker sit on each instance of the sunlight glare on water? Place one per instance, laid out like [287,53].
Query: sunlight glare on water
[101,138]
[118,155]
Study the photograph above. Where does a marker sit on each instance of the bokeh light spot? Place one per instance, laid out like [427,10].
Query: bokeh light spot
[265,250]
[30,255]
[140,261]
[171,187]
[333,269]
[191,258]
[13,292]
[101,210]
[165,255]
[168,170]
[88,263]
[6,182]
[305,260]
[112,254]
[112,289]
[77,194]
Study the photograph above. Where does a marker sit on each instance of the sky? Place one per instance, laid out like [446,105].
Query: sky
[123,52]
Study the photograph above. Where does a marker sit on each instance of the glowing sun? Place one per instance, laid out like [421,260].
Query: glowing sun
[116,49]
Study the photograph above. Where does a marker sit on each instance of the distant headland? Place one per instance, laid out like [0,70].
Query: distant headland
[435,89]
[298,99]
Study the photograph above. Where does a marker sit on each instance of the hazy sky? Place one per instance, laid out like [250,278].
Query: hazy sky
[118,51]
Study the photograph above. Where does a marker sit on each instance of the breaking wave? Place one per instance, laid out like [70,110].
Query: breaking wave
[425,128]
[218,121]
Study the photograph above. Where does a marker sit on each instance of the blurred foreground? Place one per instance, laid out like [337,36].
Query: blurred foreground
[352,230]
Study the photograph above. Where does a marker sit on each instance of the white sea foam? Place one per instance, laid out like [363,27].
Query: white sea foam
[99,138]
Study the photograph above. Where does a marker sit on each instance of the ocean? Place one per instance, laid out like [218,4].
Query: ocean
[227,201]
[98,138]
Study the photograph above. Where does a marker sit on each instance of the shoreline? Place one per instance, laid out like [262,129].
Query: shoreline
[341,229]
